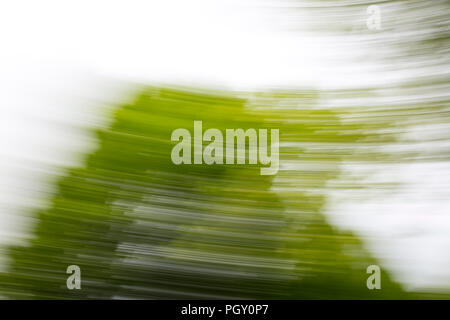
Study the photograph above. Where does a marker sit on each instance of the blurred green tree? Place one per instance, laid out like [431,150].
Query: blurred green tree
[141,227]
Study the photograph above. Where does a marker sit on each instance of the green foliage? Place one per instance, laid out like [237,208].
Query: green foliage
[141,227]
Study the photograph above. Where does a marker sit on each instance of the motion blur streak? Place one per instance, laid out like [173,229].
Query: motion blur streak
[139,226]
[400,72]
